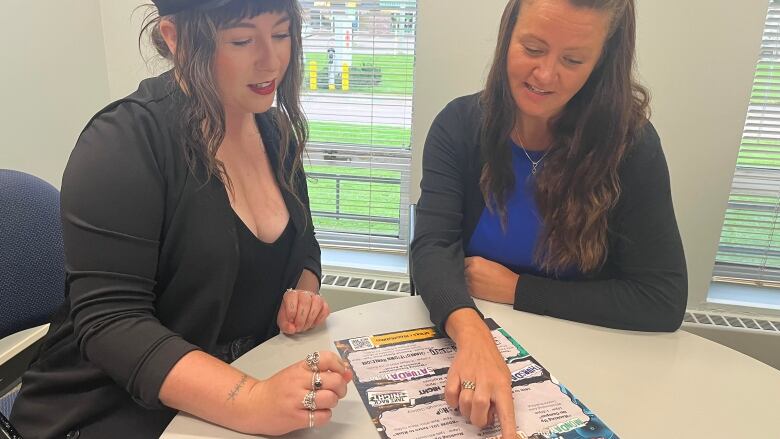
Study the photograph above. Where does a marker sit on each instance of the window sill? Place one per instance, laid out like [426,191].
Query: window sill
[364,261]
[745,298]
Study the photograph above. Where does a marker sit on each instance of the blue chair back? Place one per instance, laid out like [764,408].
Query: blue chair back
[32,257]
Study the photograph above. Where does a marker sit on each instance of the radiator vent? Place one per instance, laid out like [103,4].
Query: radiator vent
[367,284]
[692,317]
[727,321]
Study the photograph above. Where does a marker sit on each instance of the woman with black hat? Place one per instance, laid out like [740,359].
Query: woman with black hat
[189,241]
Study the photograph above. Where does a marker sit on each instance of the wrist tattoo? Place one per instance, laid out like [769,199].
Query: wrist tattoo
[233,393]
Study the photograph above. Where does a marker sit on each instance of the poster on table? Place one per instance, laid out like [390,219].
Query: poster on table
[401,376]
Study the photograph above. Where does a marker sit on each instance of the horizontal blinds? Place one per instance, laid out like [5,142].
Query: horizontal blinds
[357,95]
[749,249]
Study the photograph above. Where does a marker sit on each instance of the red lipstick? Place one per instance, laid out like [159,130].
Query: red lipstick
[269,88]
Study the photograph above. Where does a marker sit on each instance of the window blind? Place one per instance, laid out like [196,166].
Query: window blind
[357,94]
[749,249]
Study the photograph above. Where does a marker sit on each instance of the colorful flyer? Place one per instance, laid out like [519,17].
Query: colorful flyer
[401,377]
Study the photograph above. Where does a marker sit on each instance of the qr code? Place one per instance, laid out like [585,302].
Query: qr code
[361,344]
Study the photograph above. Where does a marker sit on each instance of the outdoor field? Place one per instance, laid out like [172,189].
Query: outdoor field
[750,220]
[391,76]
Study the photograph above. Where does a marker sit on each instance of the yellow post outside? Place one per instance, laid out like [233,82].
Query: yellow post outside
[345,77]
[313,75]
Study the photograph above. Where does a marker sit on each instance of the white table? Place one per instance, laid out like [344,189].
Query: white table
[19,341]
[642,385]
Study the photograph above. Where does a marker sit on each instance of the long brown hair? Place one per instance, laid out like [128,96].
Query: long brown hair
[578,185]
[203,118]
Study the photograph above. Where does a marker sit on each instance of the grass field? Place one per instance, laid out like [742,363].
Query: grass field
[357,134]
[396,78]
[352,197]
[754,229]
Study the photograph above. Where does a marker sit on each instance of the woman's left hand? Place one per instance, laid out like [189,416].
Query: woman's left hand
[301,310]
[490,280]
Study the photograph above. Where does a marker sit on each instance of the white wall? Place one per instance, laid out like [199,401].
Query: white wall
[126,66]
[53,78]
[455,44]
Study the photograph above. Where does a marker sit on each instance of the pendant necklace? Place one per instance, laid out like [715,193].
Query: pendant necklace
[534,164]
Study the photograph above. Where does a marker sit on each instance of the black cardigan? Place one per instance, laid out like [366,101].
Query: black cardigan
[643,284]
[152,256]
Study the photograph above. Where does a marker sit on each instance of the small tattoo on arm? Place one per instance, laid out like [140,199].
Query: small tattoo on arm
[233,393]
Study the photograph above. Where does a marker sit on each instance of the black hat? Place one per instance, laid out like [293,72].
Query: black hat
[168,7]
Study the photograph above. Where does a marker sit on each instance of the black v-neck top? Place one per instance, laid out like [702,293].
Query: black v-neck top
[259,287]
[152,258]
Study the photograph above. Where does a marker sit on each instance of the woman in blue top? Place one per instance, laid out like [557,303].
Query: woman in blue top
[549,191]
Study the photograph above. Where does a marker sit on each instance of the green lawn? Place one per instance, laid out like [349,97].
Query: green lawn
[396,73]
[358,134]
[360,198]
[351,197]
[763,153]
[755,230]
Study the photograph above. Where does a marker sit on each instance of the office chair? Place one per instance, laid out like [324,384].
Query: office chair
[32,263]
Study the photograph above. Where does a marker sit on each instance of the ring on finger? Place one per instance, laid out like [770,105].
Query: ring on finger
[316,381]
[311,418]
[469,385]
[313,361]
[310,293]
[308,401]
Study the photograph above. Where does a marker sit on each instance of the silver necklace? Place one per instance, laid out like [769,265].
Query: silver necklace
[534,164]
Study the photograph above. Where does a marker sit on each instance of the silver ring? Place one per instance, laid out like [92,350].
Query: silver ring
[316,381]
[311,418]
[313,361]
[469,385]
[308,400]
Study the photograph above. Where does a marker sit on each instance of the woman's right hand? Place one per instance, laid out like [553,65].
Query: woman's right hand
[277,402]
[479,361]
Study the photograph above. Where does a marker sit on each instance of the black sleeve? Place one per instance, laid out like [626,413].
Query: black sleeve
[312,260]
[113,194]
[437,258]
[650,290]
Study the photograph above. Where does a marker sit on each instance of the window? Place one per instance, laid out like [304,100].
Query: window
[358,87]
[749,250]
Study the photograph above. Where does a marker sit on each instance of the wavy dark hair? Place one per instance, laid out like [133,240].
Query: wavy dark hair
[203,118]
[579,183]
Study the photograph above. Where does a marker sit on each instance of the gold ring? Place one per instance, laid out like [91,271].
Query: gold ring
[469,385]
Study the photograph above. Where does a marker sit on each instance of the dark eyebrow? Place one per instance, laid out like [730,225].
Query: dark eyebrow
[241,24]
[248,25]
